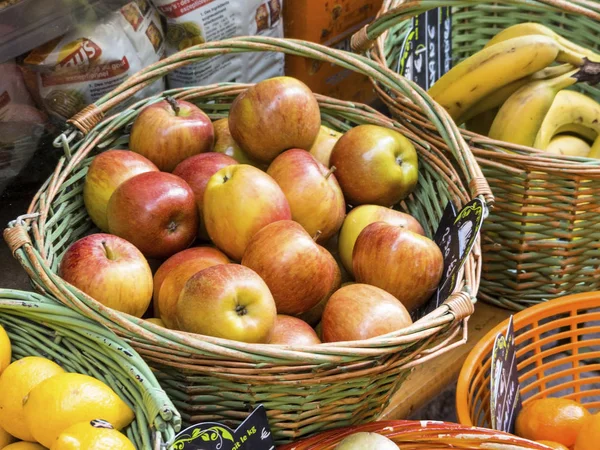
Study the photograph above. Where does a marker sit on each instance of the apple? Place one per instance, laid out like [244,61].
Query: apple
[290,330]
[240,200]
[361,311]
[110,270]
[314,195]
[299,272]
[228,301]
[170,131]
[196,171]
[274,115]
[366,440]
[106,172]
[375,165]
[173,283]
[323,146]
[225,144]
[405,264]
[361,216]
[156,212]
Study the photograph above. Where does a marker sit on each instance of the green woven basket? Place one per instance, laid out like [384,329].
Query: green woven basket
[41,326]
[541,240]
[304,389]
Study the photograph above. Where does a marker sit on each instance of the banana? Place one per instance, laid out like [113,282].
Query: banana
[481,123]
[521,116]
[563,144]
[568,107]
[491,68]
[569,51]
[579,130]
[595,150]
[498,97]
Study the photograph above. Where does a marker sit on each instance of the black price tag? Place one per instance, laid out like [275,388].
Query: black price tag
[426,53]
[252,434]
[455,236]
[505,397]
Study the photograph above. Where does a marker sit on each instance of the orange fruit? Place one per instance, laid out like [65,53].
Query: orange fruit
[551,419]
[554,445]
[589,435]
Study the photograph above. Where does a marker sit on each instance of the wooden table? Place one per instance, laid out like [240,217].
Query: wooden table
[431,378]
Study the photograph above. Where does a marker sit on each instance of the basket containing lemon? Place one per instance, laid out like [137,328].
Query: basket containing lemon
[558,352]
[73,383]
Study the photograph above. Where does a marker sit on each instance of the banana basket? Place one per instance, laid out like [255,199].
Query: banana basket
[424,434]
[557,349]
[39,325]
[541,239]
[304,389]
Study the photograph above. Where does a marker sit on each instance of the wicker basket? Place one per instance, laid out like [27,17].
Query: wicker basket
[423,435]
[558,355]
[304,389]
[41,326]
[541,239]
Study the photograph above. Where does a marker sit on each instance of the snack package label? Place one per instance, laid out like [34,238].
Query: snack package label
[193,22]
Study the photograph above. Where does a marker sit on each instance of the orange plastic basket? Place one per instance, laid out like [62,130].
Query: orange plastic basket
[558,355]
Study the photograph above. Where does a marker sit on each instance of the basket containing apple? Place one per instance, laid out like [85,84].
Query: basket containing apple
[258,243]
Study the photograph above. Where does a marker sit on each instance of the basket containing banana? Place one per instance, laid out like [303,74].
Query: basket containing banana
[523,87]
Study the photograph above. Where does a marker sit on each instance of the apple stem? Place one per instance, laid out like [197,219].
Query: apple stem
[241,310]
[173,104]
[108,251]
[317,235]
[330,171]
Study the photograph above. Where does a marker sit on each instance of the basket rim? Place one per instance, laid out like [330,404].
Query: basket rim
[522,318]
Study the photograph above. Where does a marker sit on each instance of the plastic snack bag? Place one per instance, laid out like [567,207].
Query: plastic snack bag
[192,22]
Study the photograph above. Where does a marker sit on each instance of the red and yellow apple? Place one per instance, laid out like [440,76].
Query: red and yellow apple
[361,311]
[196,171]
[405,264]
[169,131]
[290,330]
[375,165]
[323,146]
[156,212]
[225,144]
[106,172]
[110,270]
[314,195]
[361,216]
[299,272]
[228,301]
[274,115]
[171,287]
[240,200]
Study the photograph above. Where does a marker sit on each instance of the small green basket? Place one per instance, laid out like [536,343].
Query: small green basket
[41,326]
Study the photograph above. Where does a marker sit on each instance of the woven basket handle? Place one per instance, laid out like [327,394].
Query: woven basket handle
[400,10]
[93,114]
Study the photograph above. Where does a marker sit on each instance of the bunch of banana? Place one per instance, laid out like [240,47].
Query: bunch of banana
[513,90]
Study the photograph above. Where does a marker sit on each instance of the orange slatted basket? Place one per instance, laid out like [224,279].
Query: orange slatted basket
[558,355]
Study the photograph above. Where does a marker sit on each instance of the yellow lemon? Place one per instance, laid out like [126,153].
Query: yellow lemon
[5,438]
[93,435]
[24,446]
[69,398]
[16,382]
[5,350]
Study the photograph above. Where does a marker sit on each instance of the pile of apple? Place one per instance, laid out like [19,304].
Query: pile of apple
[264,193]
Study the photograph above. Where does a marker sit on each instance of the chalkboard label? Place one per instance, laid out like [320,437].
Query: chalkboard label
[252,434]
[426,53]
[455,236]
[505,397]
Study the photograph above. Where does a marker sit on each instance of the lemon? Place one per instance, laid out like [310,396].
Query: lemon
[5,351]
[24,446]
[70,398]
[5,438]
[15,383]
[93,435]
